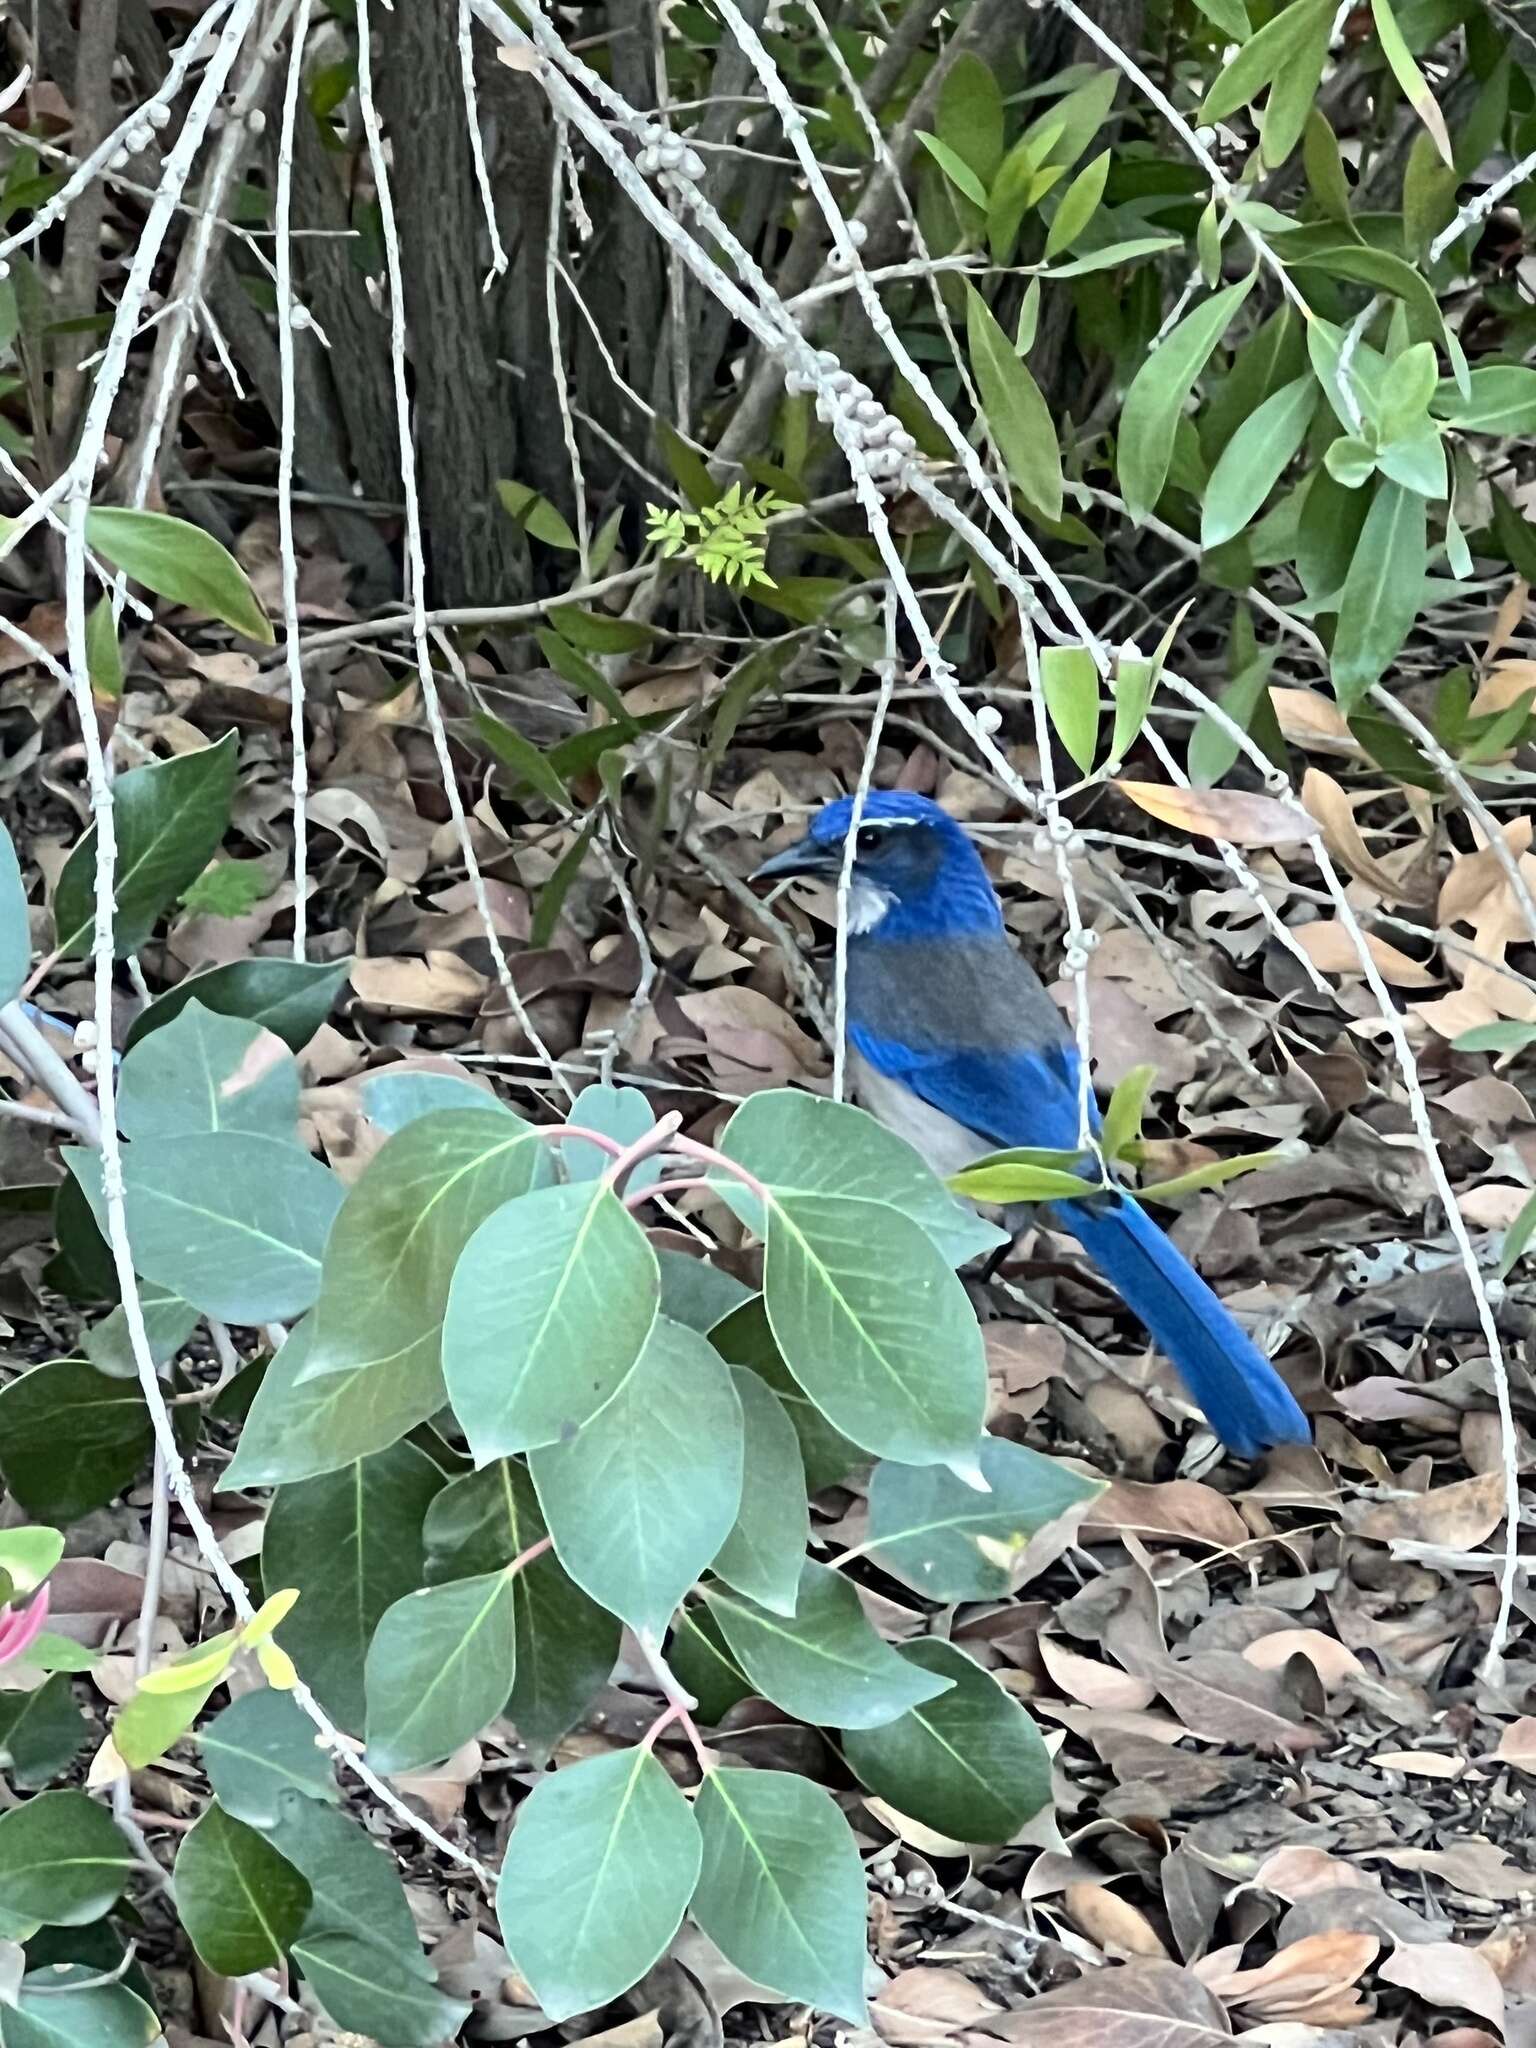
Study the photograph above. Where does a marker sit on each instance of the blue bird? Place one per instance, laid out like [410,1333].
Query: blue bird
[954,1044]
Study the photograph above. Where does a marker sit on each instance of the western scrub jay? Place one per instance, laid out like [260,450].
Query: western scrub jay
[954,1044]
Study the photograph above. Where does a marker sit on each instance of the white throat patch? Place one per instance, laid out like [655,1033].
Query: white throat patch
[867,904]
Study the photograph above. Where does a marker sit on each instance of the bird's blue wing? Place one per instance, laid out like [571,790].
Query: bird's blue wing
[1009,1097]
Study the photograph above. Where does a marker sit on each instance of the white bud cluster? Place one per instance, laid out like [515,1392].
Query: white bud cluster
[842,402]
[661,150]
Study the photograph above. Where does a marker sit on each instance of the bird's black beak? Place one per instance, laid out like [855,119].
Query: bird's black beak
[806,857]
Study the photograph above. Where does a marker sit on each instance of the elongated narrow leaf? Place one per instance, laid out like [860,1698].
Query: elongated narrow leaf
[1264,56]
[763,1554]
[291,997]
[1069,682]
[566,1645]
[179,561]
[231,1222]
[1018,418]
[169,818]
[1382,592]
[204,1072]
[969,1763]
[1501,400]
[900,1371]
[929,1528]
[1150,415]
[241,1903]
[797,1143]
[1292,94]
[1412,80]
[1079,203]
[825,1664]
[391,1256]
[600,1868]
[439,1669]
[639,1500]
[549,1310]
[781,1888]
[15,929]
[1251,463]
[351,1544]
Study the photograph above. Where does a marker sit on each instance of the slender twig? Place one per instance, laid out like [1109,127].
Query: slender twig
[287,321]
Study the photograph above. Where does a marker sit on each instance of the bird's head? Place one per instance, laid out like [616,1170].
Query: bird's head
[915,873]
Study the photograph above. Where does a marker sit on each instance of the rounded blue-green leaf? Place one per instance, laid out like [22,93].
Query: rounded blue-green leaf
[439,1669]
[241,1903]
[601,1865]
[63,1860]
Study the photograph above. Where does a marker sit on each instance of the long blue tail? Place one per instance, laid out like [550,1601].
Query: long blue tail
[1245,1400]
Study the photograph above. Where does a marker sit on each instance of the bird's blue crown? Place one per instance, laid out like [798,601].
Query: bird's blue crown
[914,852]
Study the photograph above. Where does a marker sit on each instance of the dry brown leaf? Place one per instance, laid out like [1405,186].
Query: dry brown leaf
[1505,684]
[1331,948]
[923,2005]
[1180,1508]
[1475,876]
[1111,1923]
[1317,1965]
[752,1043]
[1091,1683]
[1420,1763]
[1221,1698]
[441,985]
[1144,2004]
[1298,1870]
[1506,620]
[1236,815]
[1517,1745]
[1472,1865]
[1329,1658]
[1330,805]
[1307,718]
[1460,1516]
[1443,1974]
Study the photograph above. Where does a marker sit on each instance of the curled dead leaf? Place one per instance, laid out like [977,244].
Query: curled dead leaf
[1237,815]
[1332,1660]
[1111,1923]
[1460,1516]
[1444,1974]
[1331,948]
[1330,805]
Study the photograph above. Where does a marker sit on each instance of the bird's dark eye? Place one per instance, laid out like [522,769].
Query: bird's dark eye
[871,840]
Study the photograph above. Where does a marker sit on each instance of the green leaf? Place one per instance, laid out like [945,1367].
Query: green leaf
[600,1868]
[955,168]
[28,1555]
[68,2006]
[623,1114]
[350,1542]
[1017,416]
[1382,592]
[597,633]
[233,1223]
[358,1948]
[522,759]
[550,1307]
[1153,404]
[1350,461]
[1384,272]
[1003,1178]
[298,1429]
[1079,203]
[1216,1173]
[71,1439]
[1406,391]
[763,1554]
[260,1747]
[1246,703]
[566,1645]
[970,115]
[642,1496]
[1516,1238]
[1502,400]
[927,1527]
[1291,96]
[1230,16]
[1069,682]
[825,1664]
[1505,1036]
[439,1669]
[899,1371]
[700,1661]
[970,1763]
[1412,80]
[696,1293]
[536,514]
[203,1072]
[1325,167]
[745,1338]
[688,467]
[781,1887]
[41,1732]
[1512,531]
[390,1258]
[806,1144]
[170,817]
[290,997]
[399,1095]
[1265,55]
[63,1860]
[228,889]
[1417,462]
[554,892]
[1122,1119]
[179,561]
[15,929]
[1251,463]
[153,1722]
[240,1902]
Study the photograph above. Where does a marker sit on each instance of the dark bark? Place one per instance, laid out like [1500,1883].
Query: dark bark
[464,430]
